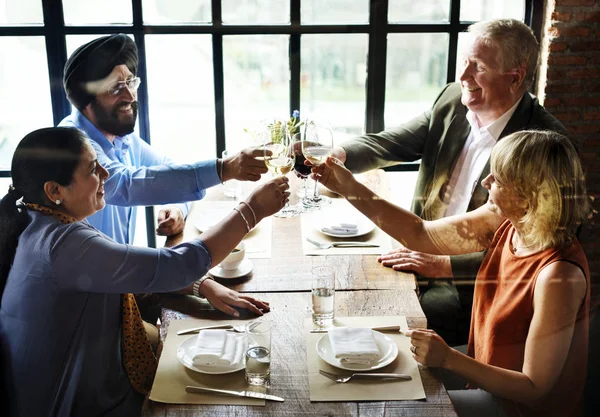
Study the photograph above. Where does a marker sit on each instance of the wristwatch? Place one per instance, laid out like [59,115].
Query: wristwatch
[196,285]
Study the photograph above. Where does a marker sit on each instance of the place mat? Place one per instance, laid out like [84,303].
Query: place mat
[323,389]
[172,377]
[258,241]
[337,211]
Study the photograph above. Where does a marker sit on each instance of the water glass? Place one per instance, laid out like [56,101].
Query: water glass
[258,353]
[323,295]
[231,188]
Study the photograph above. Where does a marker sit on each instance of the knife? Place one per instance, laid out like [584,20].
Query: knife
[378,328]
[249,394]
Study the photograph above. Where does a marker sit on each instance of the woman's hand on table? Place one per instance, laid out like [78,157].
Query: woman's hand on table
[428,348]
[225,299]
[424,264]
[270,197]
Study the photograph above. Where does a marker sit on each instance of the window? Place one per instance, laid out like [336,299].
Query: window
[21,80]
[213,68]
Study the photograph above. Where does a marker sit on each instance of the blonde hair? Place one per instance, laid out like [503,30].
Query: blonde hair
[516,44]
[544,169]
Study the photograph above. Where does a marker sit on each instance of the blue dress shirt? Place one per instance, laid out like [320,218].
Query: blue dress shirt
[139,177]
[60,316]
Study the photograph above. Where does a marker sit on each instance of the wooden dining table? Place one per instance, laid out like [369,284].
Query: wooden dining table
[363,288]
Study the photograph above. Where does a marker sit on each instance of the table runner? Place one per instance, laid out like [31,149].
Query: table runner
[258,241]
[337,212]
[323,389]
[172,377]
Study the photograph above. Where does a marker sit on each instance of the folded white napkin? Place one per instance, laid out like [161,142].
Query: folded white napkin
[341,229]
[218,347]
[354,345]
[226,357]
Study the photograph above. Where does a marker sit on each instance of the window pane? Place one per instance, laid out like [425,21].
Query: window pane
[25,103]
[256,83]
[255,12]
[334,11]
[21,12]
[475,10]
[75,41]
[140,237]
[181,95]
[177,11]
[94,12]
[419,11]
[4,183]
[415,73]
[332,81]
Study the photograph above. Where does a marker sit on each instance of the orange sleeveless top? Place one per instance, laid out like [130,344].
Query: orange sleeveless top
[503,310]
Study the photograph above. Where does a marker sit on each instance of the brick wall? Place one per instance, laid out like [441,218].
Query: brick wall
[570,90]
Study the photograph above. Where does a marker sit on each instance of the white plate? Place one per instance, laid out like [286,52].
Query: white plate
[364,226]
[243,269]
[186,351]
[388,351]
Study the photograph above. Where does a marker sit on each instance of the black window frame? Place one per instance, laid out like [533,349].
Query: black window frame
[54,31]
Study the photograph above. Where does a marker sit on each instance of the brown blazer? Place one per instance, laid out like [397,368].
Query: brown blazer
[437,137]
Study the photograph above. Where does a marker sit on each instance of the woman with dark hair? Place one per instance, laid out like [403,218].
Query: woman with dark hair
[72,343]
[528,343]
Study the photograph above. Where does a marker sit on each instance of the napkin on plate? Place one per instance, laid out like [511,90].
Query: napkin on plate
[341,229]
[354,345]
[218,347]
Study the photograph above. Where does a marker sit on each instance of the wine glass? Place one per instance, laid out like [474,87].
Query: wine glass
[317,145]
[279,157]
[302,171]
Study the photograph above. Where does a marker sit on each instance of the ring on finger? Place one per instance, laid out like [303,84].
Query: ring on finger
[413,349]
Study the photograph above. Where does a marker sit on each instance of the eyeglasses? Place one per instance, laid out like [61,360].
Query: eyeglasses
[132,84]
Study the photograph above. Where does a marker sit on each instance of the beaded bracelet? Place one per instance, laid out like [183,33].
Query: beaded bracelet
[196,285]
[244,218]
[252,211]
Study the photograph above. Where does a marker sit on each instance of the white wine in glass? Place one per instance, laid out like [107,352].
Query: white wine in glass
[279,157]
[316,153]
[317,145]
[280,165]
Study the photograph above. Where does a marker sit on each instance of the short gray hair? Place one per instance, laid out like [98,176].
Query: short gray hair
[516,43]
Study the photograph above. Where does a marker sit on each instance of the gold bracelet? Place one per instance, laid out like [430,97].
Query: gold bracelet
[244,218]
[252,211]
[196,285]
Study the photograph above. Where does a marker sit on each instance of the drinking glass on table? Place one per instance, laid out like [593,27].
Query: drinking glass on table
[258,353]
[317,145]
[323,295]
[279,157]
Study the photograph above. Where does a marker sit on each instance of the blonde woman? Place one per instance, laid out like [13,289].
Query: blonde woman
[528,343]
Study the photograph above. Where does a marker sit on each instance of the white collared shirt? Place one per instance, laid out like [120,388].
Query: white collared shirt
[472,160]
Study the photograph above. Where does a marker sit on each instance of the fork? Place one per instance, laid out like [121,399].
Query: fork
[339,378]
[321,245]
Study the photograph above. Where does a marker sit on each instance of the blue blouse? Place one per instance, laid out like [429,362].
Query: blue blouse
[60,316]
[139,176]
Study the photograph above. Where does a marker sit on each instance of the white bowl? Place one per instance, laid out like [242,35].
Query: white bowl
[233,260]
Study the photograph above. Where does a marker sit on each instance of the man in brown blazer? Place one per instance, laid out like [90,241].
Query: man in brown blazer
[453,140]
